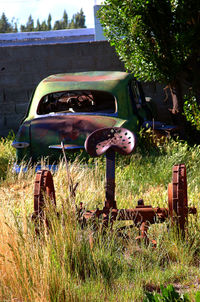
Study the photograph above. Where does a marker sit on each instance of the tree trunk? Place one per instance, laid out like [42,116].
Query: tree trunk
[177,97]
[177,101]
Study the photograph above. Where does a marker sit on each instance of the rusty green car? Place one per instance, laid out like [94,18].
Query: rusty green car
[68,107]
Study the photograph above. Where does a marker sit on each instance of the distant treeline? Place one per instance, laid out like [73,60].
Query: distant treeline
[77,21]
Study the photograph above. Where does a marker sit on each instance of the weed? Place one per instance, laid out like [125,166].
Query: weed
[167,294]
[7,154]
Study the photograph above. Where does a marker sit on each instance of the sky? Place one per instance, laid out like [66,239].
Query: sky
[40,9]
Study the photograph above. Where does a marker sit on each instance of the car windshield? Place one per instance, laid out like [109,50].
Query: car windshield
[78,101]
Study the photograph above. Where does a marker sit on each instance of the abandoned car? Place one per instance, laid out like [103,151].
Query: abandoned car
[68,107]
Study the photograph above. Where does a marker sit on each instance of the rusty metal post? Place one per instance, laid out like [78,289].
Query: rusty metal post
[110,180]
[109,141]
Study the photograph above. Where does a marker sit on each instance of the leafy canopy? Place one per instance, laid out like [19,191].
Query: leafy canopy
[156,39]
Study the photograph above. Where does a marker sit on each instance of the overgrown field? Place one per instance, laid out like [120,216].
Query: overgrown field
[63,265]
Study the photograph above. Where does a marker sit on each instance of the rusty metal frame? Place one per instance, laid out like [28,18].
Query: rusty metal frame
[109,141]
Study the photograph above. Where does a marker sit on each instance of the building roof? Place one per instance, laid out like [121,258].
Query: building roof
[48,37]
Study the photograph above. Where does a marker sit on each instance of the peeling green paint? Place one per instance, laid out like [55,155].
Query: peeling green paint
[42,131]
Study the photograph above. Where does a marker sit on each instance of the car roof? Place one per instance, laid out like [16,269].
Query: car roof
[110,81]
[88,76]
[90,80]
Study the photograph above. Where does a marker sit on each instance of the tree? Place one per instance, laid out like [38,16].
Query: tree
[44,26]
[72,23]
[158,40]
[49,22]
[65,20]
[38,26]
[78,20]
[22,28]
[5,26]
[14,25]
[29,25]
[63,23]
[57,25]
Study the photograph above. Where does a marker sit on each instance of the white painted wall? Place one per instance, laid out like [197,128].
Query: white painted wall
[99,36]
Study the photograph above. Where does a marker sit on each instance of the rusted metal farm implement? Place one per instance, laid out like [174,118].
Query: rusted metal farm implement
[109,141]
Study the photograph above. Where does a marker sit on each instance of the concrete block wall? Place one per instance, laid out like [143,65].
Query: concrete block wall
[23,67]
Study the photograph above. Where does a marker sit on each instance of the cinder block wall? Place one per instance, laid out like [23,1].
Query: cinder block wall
[23,67]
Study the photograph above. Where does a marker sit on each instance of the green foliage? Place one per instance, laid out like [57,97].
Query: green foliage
[168,294]
[197,297]
[38,26]
[7,154]
[77,21]
[5,26]
[29,25]
[157,40]
[49,22]
[192,110]
[63,23]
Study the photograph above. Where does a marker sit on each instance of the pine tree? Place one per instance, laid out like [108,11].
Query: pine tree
[30,24]
[49,22]
[57,25]
[5,26]
[44,26]
[72,23]
[65,20]
[38,26]
[14,25]
[78,20]
[22,28]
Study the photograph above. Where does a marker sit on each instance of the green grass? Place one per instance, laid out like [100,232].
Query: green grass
[63,264]
[7,155]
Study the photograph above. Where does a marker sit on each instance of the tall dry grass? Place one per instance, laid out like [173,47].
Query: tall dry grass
[61,264]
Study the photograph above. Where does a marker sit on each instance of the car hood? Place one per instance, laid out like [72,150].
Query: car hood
[48,132]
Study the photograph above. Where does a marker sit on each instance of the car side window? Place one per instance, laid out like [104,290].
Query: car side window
[135,94]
